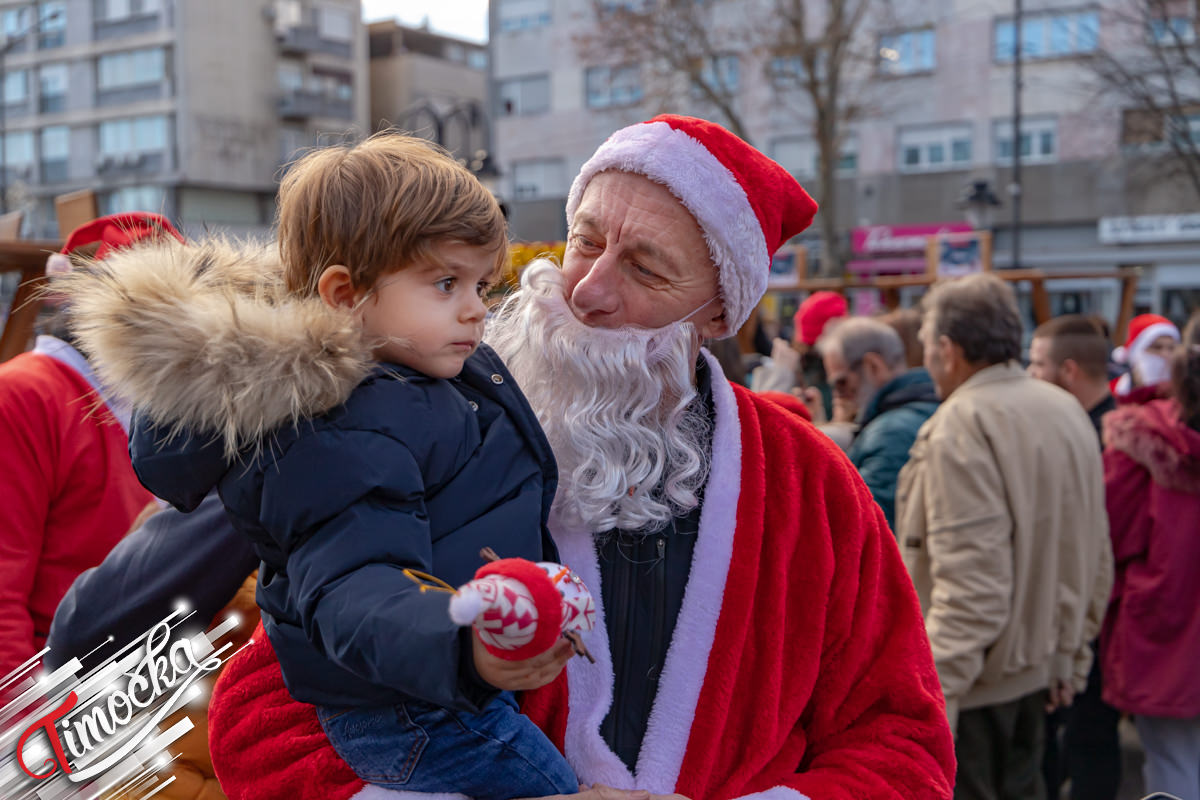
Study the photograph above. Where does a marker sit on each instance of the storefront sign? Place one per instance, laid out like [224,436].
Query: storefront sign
[1150,229]
[887,240]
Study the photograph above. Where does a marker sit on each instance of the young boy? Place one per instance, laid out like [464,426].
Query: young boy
[355,427]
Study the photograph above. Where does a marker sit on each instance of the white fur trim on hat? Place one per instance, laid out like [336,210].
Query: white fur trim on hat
[1130,354]
[708,190]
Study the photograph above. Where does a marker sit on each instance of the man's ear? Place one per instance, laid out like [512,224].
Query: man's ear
[875,368]
[1069,370]
[336,287]
[714,327]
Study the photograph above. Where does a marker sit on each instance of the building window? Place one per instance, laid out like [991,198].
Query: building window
[1047,35]
[133,136]
[335,24]
[519,96]
[721,73]
[786,72]
[52,23]
[533,180]
[938,148]
[292,140]
[523,15]
[52,88]
[1154,130]
[477,59]
[801,156]
[1171,31]
[113,10]
[16,22]
[132,198]
[132,68]
[18,150]
[55,149]
[613,86]
[16,87]
[908,52]
[1039,140]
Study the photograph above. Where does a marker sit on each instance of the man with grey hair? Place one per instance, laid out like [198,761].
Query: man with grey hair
[864,359]
[1001,521]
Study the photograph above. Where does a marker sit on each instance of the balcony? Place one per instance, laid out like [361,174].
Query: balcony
[299,104]
[302,39]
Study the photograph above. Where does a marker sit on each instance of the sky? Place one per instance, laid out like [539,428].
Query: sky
[466,19]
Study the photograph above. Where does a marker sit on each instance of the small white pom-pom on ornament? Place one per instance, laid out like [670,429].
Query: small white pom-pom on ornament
[519,609]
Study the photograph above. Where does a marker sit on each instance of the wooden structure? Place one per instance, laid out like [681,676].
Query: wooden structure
[28,257]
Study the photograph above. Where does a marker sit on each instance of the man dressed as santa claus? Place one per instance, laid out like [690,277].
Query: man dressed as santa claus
[757,634]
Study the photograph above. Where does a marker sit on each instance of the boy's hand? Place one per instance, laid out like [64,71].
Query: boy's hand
[599,791]
[521,676]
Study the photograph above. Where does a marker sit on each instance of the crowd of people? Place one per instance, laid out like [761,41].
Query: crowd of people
[900,563]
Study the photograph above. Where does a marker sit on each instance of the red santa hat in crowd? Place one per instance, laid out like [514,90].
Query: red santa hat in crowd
[109,233]
[746,204]
[1143,330]
[817,310]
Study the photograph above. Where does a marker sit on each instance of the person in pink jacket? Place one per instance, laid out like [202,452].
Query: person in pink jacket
[1150,644]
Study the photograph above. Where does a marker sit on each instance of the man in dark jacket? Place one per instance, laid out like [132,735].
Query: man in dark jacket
[1070,352]
[864,359]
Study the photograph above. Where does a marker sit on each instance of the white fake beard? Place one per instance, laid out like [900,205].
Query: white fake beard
[1152,369]
[616,405]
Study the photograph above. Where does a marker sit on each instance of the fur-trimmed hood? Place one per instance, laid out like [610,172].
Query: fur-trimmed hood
[203,338]
[1154,436]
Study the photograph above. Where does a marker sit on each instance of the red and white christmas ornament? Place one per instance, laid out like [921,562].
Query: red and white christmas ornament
[519,608]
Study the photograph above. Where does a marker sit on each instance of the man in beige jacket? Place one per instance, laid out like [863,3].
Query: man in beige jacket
[1000,516]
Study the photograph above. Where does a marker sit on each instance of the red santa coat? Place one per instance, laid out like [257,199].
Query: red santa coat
[799,666]
[67,489]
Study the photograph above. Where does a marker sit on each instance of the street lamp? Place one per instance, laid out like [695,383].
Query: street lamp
[978,203]
[9,44]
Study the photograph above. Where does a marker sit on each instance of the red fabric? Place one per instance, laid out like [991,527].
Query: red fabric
[263,743]
[1150,644]
[790,402]
[815,313]
[781,205]
[821,663]
[68,494]
[546,600]
[119,230]
[834,693]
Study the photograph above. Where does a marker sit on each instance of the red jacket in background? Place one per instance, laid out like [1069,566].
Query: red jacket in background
[1150,644]
[67,494]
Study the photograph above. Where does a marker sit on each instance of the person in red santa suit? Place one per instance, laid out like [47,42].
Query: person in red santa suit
[68,493]
[757,634]
[1147,351]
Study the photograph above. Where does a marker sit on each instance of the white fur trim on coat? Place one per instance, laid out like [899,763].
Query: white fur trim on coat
[590,686]
[372,792]
[708,190]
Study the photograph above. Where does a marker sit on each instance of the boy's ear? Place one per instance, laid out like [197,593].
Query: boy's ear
[336,287]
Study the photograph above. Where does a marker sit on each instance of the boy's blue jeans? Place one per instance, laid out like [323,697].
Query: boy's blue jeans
[496,754]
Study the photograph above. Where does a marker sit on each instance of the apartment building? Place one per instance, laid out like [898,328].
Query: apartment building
[188,107]
[938,94]
[432,85]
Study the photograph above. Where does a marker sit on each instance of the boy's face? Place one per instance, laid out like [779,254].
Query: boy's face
[432,315]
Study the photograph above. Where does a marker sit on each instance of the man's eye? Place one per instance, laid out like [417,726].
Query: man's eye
[483,288]
[445,285]
[583,243]
[645,273]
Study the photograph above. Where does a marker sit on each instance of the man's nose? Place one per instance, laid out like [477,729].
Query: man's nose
[595,298]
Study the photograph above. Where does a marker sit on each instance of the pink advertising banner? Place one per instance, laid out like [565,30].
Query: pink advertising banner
[893,240]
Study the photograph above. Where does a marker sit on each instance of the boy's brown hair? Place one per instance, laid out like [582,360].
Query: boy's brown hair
[379,206]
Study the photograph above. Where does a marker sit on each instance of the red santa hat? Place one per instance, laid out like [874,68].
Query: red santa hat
[110,233]
[815,313]
[1143,329]
[746,204]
